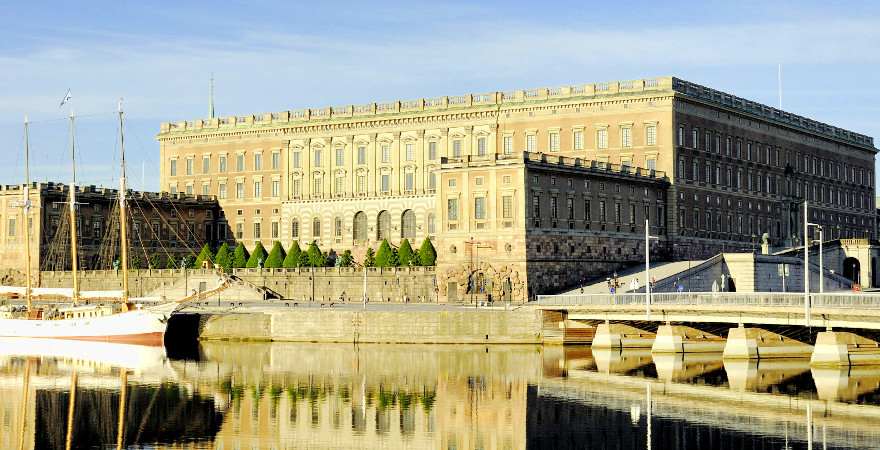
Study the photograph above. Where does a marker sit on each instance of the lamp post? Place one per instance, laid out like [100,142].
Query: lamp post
[806,266]
[648,238]
[821,267]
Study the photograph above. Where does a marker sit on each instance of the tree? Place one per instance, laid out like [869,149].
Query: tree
[155,262]
[385,256]
[416,258]
[276,257]
[345,259]
[330,258]
[395,258]
[427,254]
[292,258]
[316,258]
[223,258]
[170,263]
[303,259]
[240,256]
[204,255]
[405,254]
[370,258]
[258,257]
[134,262]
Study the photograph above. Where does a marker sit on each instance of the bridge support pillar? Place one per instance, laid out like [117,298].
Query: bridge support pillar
[836,348]
[684,339]
[618,335]
[757,343]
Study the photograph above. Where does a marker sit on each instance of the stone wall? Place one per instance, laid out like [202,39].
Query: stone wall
[321,284]
[326,325]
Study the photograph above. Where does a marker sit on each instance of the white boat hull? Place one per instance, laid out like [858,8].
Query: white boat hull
[142,326]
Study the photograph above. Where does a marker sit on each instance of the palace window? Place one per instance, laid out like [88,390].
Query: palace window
[189,166]
[507,207]
[409,182]
[258,161]
[258,189]
[554,141]
[257,230]
[531,143]
[680,136]
[452,209]
[626,137]
[222,163]
[362,155]
[173,167]
[339,185]
[340,156]
[316,185]
[386,153]
[274,230]
[337,227]
[432,181]
[316,227]
[294,229]
[408,225]
[276,188]
[239,162]
[221,190]
[296,187]
[578,138]
[361,184]
[536,207]
[386,183]
[480,208]
[456,148]
[317,157]
[276,160]
[206,164]
[602,138]
[410,151]
[481,146]
[432,150]
[239,190]
[651,163]
[359,227]
[651,135]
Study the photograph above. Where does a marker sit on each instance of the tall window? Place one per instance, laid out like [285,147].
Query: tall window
[383,225]
[316,227]
[602,138]
[481,146]
[602,213]
[173,167]
[536,207]
[362,184]
[507,145]
[432,181]
[221,190]
[294,229]
[695,138]
[651,135]
[276,160]
[297,163]
[386,153]
[296,187]
[408,225]
[222,163]
[452,209]
[554,141]
[432,150]
[206,164]
[587,216]
[507,207]
[274,230]
[239,162]
[258,189]
[480,208]
[578,138]
[337,227]
[257,230]
[569,205]
[359,227]
[206,189]
[239,190]
[189,166]
[239,231]
[339,185]
[531,143]
[680,140]
[386,183]
[340,156]
[626,137]
[408,181]
[362,154]
[317,156]
[276,188]
[410,152]
[258,161]
[651,163]
[316,185]
[11,231]
[456,148]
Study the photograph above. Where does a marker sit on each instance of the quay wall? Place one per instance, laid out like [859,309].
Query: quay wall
[402,327]
[302,285]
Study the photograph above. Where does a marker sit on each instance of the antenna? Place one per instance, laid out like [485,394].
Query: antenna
[779,80]
[211,98]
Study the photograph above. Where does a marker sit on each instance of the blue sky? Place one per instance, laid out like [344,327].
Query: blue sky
[273,56]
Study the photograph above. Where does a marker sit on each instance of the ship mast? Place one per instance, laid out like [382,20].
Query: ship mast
[123,222]
[72,197]
[26,207]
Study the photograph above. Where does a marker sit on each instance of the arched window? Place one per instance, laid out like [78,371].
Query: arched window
[294,229]
[431,223]
[383,226]
[359,227]
[316,228]
[408,225]
[337,227]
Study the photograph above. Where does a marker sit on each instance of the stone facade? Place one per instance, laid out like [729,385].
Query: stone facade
[736,169]
[161,225]
[515,226]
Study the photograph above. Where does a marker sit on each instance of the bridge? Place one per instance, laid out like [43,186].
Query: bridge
[831,329]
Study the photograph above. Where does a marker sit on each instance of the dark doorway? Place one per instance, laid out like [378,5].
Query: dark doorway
[852,269]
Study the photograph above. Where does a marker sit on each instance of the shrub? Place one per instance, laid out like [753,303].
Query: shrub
[345,259]
[427,254]
[384,257]
[223,258]
[204,255]
[405,254]
[370,258]
[258,256]
[292,258]
[276,257]
[316,258]
[240,256]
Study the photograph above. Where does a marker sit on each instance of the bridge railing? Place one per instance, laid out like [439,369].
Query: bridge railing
[769,299]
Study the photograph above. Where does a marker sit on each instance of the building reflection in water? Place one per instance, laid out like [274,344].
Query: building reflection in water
[262,395]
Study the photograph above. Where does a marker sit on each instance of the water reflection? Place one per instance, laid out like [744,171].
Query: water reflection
[261,395]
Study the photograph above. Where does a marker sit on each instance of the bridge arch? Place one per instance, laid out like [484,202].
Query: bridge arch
[852,269]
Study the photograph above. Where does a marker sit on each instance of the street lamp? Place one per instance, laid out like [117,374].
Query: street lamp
[821,269]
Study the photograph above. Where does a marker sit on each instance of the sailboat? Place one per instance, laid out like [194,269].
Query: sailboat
[116,318]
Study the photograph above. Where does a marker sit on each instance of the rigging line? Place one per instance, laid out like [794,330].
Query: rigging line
[143,247]
[173,229]
[67,118]
[189,230]
[155,234]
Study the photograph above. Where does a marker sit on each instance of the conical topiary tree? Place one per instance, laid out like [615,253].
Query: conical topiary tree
[258,257]
[303,259]
[427,254]
[405,254]
[240,256]
[370,258]
[416,259]
[171,263]
[223,257]
[316,258]
[292,258]
[384,257]
[276,257]
[205,255]
[345,259]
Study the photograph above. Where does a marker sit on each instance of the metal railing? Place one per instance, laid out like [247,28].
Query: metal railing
[767,299]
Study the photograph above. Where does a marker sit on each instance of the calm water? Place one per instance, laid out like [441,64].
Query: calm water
[280,396]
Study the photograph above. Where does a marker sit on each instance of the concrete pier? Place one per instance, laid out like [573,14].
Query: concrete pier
[685,339]
[618,335]
[757,343]
[837,348]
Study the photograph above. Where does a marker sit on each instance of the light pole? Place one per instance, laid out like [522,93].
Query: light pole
[806,266]
[648,238]
[821,267]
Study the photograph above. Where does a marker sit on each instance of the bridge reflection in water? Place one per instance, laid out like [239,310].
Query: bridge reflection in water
[261,395]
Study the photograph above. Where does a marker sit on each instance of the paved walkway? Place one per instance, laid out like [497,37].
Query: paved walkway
[659,271]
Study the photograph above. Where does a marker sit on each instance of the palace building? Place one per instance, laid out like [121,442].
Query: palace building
[529,191]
